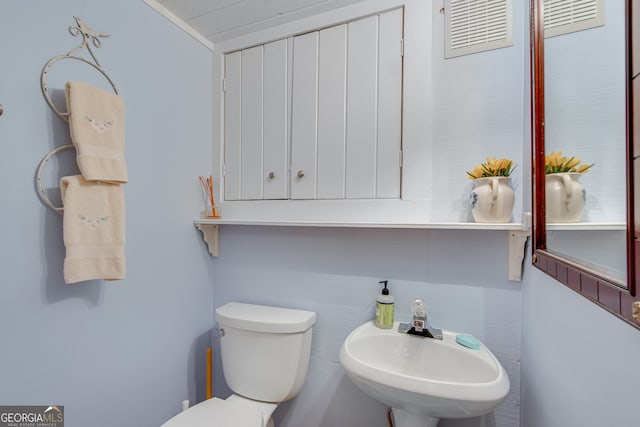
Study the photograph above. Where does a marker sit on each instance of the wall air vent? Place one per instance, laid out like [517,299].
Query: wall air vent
[569,16]
[477,25]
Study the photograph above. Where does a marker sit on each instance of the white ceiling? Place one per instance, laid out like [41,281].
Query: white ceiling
[218,20]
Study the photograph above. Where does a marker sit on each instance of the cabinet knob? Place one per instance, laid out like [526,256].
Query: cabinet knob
[1,109]
[300,174]
[272,175]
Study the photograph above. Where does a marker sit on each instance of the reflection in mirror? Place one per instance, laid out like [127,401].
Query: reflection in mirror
[582,106]
[585,121]
[602,251]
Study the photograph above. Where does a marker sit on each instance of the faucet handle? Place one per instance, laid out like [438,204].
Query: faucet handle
[419,312]
[419,309]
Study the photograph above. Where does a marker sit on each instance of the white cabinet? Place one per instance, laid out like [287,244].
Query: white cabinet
[256,123]
[345,92]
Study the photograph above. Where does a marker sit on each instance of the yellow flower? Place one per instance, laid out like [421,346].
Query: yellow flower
[555,162]
[492,167]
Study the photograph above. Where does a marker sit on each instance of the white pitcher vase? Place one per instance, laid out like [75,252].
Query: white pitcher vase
[492,199]
[564,197]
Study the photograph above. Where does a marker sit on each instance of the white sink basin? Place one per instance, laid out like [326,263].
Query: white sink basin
[423,379]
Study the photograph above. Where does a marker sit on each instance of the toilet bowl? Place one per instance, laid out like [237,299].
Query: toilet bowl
[235,411]
[265,357]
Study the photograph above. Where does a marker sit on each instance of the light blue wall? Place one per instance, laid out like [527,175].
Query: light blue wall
[480,110]
[335,272]
[131,349]
[579,363]
[138,345]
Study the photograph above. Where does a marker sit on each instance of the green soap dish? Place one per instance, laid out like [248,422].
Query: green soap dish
[468,341]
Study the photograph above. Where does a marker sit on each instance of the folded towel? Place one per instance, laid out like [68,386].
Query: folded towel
[96,122]
[93,230]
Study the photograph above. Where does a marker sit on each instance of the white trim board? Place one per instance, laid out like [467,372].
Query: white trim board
[180,23]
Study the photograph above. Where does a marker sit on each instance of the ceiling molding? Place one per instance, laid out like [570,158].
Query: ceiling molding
[154,4]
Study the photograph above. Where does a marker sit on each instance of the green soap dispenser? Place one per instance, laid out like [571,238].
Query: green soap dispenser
[384,308]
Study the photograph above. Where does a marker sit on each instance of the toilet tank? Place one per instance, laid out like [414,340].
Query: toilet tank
[265,350]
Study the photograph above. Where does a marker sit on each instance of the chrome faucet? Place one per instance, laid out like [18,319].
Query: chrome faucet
[419,324]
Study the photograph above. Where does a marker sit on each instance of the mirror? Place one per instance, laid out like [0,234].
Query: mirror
[585,118]
[583,222]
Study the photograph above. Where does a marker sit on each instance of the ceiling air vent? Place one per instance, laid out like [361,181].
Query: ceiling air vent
[477,25]
[569,16]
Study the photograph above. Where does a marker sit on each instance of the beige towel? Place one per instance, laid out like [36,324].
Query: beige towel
[93,230]
[96,122]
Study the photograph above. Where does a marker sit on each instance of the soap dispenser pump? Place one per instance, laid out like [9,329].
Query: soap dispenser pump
[384,308]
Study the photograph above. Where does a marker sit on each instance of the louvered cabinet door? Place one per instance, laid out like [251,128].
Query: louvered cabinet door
[344,86]
[256,122]
[347,110]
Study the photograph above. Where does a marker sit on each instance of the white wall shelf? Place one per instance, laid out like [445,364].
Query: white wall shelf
[364,224]
[517,235]
[605,226]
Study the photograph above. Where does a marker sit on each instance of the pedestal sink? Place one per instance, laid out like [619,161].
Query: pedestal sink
[423,379]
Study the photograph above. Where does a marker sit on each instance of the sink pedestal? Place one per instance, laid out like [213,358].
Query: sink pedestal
[403,418]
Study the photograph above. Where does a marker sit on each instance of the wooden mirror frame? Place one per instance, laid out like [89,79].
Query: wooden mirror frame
[590,284]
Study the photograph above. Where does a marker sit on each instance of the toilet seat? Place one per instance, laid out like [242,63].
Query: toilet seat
[217,412]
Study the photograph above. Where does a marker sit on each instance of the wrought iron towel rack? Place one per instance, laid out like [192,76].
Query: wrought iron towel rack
[89,38]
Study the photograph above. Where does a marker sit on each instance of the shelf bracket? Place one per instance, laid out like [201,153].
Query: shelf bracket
[210,235]
[517,251]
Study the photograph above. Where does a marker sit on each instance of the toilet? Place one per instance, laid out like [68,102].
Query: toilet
[265,355]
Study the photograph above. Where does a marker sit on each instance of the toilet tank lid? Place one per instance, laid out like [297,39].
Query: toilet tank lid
[262,318]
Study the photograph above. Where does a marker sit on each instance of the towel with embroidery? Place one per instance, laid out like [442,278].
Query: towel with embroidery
[93,230]
[96,122]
